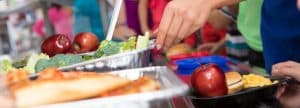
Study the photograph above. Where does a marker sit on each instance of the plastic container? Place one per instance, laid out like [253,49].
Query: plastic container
[219,60]
[186,68]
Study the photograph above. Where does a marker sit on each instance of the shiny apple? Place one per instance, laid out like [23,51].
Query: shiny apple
[85,42]
[56,44]
[209,81]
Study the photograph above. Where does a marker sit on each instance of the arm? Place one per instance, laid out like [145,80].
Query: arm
[183,17]
[213,48]
[143,15]
[122,20]
[218,20]
[122,31]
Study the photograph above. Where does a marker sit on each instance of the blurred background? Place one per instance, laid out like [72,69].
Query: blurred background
[24,24]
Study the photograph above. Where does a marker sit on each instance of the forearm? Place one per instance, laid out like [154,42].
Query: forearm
[143,15]
[218,20]
[122,16]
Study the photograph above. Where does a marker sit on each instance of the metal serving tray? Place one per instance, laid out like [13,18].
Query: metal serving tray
[128,60]
[171,87]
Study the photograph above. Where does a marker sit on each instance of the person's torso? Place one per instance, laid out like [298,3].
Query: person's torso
[280,28]
[157,8]
[132,15]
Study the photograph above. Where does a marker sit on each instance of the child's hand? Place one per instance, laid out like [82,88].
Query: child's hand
[212,48]
[180,19]
[289,96]
[289,68]
[123,32]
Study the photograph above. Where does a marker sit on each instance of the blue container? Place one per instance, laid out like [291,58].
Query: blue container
[218,60]
[187,66]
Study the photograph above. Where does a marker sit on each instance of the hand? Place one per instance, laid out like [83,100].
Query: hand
[298,4]
[123,32]
[289,96]
[212,48]
[289,68]
[180,19]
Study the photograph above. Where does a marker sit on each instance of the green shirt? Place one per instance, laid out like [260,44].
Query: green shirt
[249,22]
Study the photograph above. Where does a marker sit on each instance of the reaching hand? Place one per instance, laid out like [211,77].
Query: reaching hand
[180,19]
[289,96]
[290,68]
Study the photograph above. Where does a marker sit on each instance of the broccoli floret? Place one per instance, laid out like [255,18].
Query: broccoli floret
[107,48]
[32,61]
[42,64]
[63,60]
[5,66]
[59,60]
[87,57]
[129,45]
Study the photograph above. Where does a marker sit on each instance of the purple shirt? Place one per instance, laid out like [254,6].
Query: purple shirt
[132,15]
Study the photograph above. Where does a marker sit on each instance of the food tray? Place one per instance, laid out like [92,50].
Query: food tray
[171,87]
[128,60]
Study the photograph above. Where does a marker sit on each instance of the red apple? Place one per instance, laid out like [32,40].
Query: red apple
[85,42]
[56,44]
[209,81]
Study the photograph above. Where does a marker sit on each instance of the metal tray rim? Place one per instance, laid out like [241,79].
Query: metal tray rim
[106,58]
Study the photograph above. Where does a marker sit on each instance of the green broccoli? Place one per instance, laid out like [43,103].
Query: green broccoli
[87,57]
[42,64]
[64,60]
[59,60]
[129,45]
[32,61]
[5,66]
[107,48]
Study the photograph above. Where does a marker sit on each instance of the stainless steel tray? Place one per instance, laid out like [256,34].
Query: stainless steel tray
[133,59]
[171,87]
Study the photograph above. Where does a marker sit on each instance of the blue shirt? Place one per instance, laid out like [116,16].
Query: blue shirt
[280,28]
[87,18]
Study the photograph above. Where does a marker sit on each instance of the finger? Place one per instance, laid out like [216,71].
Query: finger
[164,27]
[285,64]
[132,32]
[214,50]
[198,23]
[291,72]
[205,46]
[173,31]
[155,32]
[298,4]
[280,91]
[185,28]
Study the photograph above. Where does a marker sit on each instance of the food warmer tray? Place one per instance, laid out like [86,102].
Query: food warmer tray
[128,60]
[171,87]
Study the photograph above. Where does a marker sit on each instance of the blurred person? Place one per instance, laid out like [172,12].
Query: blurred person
[156,8]
[87,18]
[128,23]
[248,23]
[61,18]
